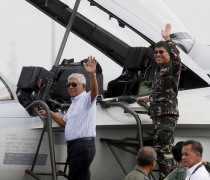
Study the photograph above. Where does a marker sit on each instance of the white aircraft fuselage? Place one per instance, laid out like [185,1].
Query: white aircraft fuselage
[117,116]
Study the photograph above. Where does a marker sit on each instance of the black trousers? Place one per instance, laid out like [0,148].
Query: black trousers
[81,153]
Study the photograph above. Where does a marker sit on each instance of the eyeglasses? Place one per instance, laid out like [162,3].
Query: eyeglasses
[160,51]
[71,84]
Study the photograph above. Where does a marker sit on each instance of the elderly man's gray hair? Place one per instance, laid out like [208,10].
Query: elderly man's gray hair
[146,155]
[79,77]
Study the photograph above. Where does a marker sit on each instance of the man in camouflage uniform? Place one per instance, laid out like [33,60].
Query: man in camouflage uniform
[163,100]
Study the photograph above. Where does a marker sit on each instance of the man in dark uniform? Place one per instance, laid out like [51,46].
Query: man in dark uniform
[163,100]
[146,162]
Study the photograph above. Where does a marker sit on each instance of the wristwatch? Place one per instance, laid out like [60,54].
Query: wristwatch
[92,75]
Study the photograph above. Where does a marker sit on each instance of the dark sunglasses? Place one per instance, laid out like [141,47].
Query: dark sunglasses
[160,51]
[71,84]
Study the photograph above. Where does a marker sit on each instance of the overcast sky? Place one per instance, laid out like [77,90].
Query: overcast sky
[195,15]
[25,38]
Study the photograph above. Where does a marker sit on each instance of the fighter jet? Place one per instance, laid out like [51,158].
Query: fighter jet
[33,147]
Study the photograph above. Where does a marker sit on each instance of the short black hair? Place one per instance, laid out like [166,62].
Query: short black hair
[196,146]
[146,155]
[177,151]
[162,44]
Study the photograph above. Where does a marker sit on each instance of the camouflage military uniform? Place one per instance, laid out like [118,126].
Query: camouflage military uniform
[164,109]
[180,173]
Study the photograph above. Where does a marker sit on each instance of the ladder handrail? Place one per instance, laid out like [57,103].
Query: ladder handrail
[135,115]
[48,125]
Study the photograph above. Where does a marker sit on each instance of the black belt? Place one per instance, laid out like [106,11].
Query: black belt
[81,139]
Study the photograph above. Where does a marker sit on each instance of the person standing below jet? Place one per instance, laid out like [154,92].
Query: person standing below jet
[80,122]
[192,158]
[146,162]
[180,172]
[163,100]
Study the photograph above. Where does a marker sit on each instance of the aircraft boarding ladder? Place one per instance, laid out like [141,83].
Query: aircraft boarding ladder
[47,127]
[127,143]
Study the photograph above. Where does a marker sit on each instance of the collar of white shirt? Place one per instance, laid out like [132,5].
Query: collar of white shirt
[190,170]
[78,96]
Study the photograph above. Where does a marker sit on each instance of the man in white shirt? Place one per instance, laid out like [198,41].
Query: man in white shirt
[80,122]
[192,158]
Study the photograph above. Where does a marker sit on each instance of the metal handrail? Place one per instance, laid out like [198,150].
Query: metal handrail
[110,143]
[48,127]
[135,115]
